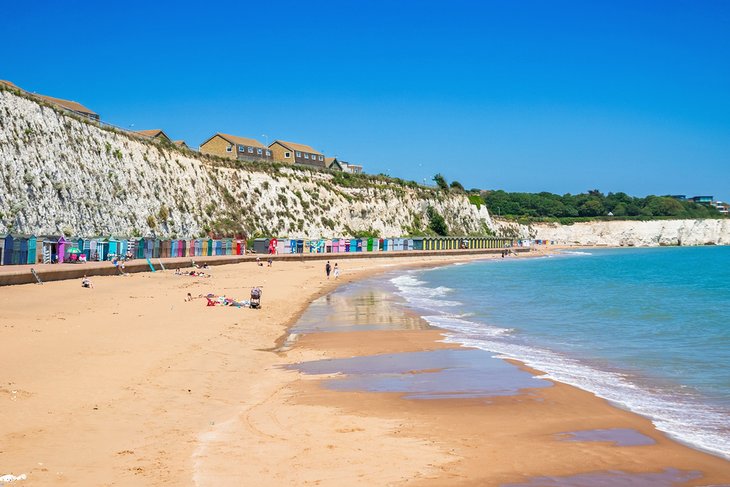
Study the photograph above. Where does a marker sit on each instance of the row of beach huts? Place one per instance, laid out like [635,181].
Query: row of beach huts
[16,250]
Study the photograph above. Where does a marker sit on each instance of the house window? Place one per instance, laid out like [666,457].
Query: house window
[259,151]
[299,154]
[250,150]
[229,148]
[287,155]
[306,156]
[321,158]
[241,148]
[268,153]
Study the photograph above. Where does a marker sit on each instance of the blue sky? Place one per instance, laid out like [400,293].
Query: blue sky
[516,95]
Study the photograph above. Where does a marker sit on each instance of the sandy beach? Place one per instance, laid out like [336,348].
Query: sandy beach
[128,384]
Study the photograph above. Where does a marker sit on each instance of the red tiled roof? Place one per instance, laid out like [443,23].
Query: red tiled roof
[297,147]
[71,105]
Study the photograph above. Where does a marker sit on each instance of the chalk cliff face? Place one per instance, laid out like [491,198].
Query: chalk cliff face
[637,233]
[59,174]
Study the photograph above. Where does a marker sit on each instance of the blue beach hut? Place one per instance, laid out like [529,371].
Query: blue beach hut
[8,250]
[140,246]
[149,245]
[102,249]
[22,250]
[113,248]
[156,248]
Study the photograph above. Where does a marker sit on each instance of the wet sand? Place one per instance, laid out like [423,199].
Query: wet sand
[494,422]
[127,384]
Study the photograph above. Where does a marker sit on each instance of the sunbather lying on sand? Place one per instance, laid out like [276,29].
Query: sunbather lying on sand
[224,301]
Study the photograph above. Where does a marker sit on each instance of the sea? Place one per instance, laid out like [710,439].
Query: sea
[647,329]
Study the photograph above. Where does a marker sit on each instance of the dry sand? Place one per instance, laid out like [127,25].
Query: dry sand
[127,384]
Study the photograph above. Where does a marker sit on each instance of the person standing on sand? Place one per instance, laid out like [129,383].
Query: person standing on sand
[328,269]
[337,271]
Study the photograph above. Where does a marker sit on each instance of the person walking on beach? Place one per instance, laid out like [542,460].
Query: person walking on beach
[328,269]
[337,271]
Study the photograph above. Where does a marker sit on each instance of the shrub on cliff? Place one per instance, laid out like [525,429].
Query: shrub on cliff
[440,181]
[436,222]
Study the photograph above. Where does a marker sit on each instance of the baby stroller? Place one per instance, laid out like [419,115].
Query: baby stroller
[255,302]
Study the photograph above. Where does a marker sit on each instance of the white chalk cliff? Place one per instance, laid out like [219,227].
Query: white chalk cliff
[61,174]
[636,233]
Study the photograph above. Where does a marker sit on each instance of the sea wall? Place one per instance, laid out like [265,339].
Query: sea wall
[635,233]
[59,174]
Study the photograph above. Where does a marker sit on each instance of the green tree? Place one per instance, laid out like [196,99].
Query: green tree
[436,222]
[440,181]
[457,186]
[592,207]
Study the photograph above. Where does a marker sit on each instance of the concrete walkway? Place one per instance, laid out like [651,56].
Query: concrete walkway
[21,274]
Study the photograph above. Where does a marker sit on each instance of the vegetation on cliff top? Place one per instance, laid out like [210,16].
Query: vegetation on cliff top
[591,205]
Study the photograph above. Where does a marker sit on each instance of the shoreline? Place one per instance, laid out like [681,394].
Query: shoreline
[715,467]
[138,386]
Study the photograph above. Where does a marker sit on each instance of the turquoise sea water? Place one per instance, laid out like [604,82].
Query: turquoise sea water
[648,329]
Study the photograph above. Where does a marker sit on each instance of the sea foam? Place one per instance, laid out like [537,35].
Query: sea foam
[682,416]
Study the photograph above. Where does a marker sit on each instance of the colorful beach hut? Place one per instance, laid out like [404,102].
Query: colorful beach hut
[261,245]
[102,249]
[139,245]
[20,250]
[417,243]
[8,249]
[48,250]
[123,247]
[63,245]
[198,247]
[149,246]
[112,248]
[32,250]
[156,248]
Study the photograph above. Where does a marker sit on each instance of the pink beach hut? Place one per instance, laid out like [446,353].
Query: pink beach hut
[62,243]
